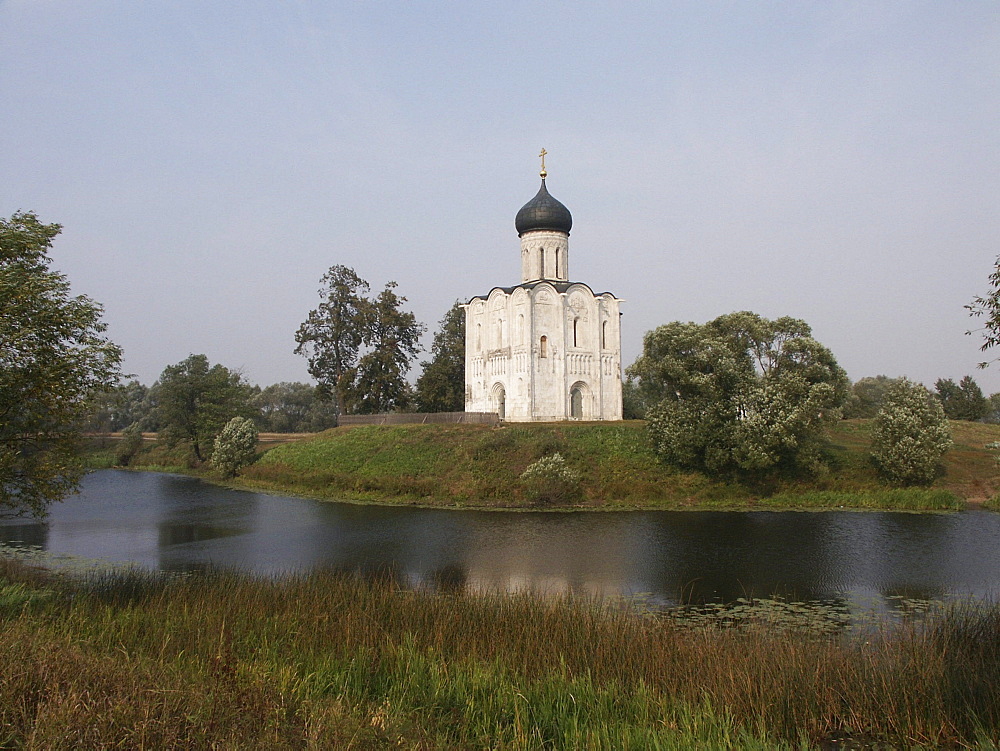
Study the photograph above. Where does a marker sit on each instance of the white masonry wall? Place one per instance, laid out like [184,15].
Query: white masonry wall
[527,351]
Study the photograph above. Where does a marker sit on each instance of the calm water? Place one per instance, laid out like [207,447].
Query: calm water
[177,523]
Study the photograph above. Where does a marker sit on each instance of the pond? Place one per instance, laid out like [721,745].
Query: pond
[177,523]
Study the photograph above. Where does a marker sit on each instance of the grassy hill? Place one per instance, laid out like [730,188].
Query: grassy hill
[475,466]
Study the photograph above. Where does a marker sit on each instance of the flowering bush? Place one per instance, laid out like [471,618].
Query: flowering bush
[235,446]
[549,480]
[909,435]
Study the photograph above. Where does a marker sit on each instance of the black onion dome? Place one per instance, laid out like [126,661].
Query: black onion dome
[543,212]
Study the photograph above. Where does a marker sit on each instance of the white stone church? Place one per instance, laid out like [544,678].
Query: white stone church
[546,349]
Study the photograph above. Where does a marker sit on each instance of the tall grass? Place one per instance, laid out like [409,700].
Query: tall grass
[326,660]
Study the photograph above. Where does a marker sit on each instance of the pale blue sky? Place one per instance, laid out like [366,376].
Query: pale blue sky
[838,162]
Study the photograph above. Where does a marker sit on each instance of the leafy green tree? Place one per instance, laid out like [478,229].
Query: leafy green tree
[293,408]
[961,401]
[235,446]
[993,409]
[332,334]
[115,410]
[391,336]
[634,406]
[740,393]
[54,358]
[988,308]
[910,434]
[866,397]
[194,400]
[441,386]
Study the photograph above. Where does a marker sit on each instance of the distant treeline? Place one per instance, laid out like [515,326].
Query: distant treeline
[279,408]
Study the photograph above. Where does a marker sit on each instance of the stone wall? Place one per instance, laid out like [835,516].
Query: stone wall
[412,418]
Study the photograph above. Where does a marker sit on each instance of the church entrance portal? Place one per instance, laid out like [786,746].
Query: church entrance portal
[500,396]
[576,403]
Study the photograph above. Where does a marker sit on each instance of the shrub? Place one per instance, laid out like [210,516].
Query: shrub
[549,480]
[910,434]
[129,445]
[235,446]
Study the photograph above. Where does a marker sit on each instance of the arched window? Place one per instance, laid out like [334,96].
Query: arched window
[541,263]
[557,263]
[576,330]
[604,335]
[543,347]
[479,336]
[520,330]
[499,332]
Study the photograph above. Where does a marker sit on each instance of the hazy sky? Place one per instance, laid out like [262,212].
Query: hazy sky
[833,161]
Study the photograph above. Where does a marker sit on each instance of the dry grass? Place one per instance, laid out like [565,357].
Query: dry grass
[322,661]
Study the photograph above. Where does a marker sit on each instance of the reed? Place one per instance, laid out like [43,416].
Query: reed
[133,659]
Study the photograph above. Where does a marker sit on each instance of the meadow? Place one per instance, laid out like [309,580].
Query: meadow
[474,466]
[128,659]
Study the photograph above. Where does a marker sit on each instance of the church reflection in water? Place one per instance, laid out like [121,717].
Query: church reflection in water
[179,524]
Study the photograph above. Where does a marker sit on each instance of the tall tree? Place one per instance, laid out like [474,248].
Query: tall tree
[293,408]
[54,358]
[867,396]
[740,393]
[118,408]
[391,337]
[195,400]
[332,334]
[441,386]
[961,401]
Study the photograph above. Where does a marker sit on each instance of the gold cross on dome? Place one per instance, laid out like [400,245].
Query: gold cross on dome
[543,173]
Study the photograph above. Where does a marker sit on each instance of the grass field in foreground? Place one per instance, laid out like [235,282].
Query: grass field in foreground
[139,660]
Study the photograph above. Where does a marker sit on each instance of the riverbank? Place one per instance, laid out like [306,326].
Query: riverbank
[475,466]
[143,660]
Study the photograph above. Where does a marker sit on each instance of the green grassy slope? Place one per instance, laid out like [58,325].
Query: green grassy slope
[480,466]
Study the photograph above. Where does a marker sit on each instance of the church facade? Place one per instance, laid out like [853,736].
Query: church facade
[546,349]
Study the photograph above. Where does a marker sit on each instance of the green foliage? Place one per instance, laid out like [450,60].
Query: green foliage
[129,445]
[910,434]
[54,358]
[332,338]
[391,337]
[194,400]
[867,396]
[634,402]
[124,405]
[739,393]
[964,401]
[441,386]
[235,446]
[992,409]
[988,308]
[549,480]
[293,408]
[332,334]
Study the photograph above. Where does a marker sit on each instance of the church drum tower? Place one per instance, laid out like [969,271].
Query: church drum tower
[546,349]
